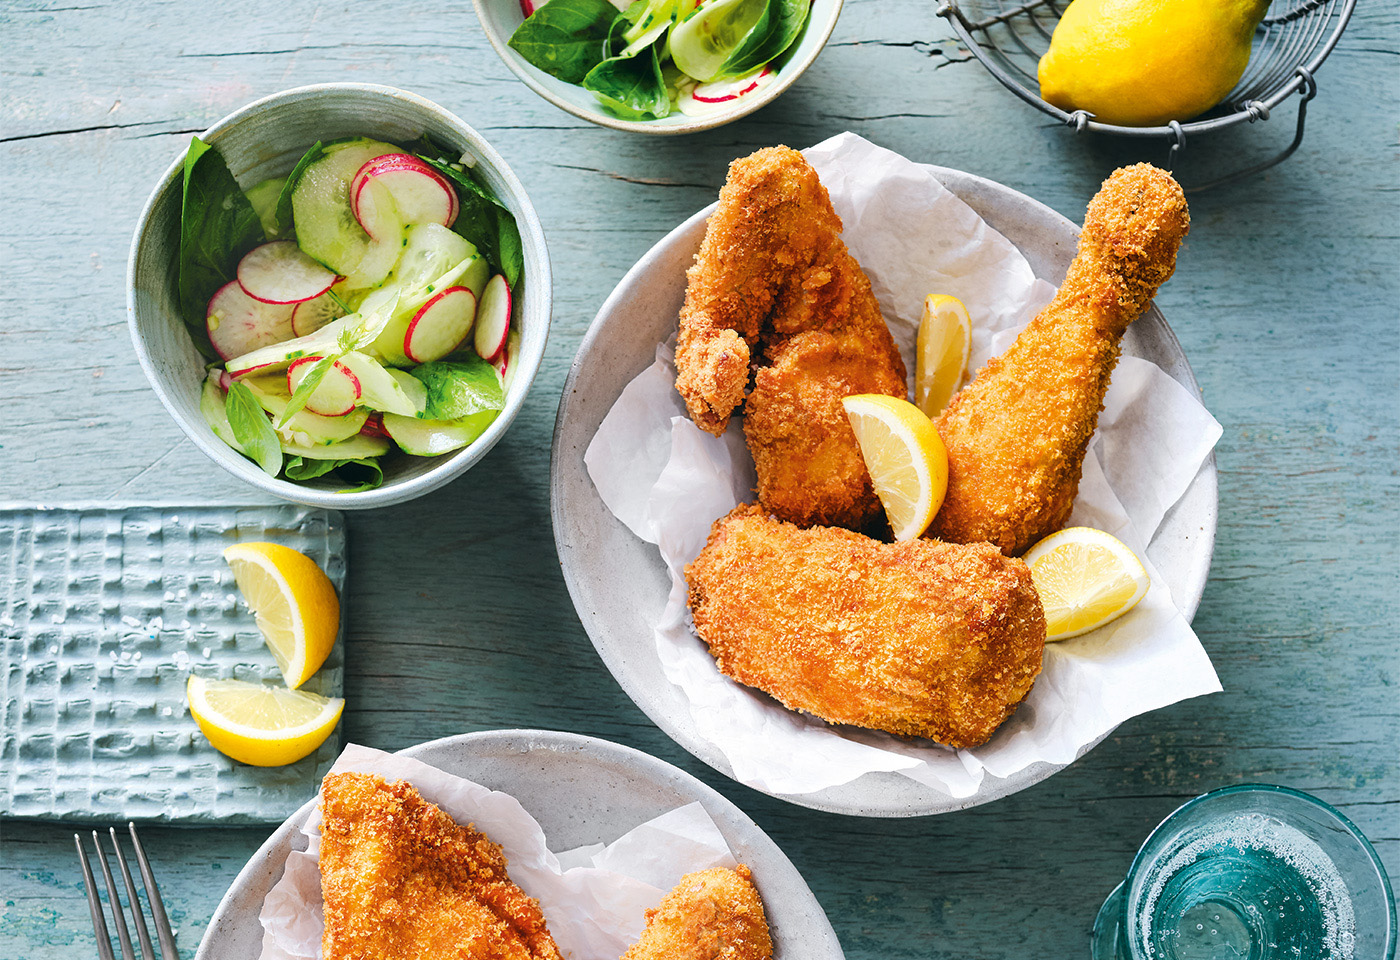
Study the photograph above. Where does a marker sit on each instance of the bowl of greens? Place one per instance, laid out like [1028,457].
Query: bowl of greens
[341,293]
[658,66]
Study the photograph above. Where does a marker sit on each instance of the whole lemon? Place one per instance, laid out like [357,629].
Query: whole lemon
[1141,63]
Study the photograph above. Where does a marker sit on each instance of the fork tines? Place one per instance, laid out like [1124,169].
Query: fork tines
[157,908]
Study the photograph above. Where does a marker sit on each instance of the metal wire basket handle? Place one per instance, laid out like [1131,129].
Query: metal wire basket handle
[1275,83]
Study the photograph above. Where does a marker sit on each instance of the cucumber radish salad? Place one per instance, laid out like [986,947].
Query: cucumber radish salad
[656,57]
[359,304]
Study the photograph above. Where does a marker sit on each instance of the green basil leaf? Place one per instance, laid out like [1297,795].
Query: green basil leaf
[363,474]
[299,468]
[460,388]
[564,38]
[217,226]
[481,218]
[775,31]
[306,388]
[632,87]
[283,215]
[252,429]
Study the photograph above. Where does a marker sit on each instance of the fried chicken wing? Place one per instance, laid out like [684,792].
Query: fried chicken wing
[1017,435]
[403,880]
[774,287]
[710,915]
[917,638]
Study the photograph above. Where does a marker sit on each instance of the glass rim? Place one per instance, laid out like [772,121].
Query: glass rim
[1269,788]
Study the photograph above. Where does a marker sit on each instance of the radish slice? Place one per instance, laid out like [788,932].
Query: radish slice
[238,324]
[440,325]
[334,396]
[527,7]
[374,426]
[493,318]
[278,272]
[421,194]
[311,315]
[704,99]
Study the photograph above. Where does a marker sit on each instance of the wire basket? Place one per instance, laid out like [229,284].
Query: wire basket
[1289,45]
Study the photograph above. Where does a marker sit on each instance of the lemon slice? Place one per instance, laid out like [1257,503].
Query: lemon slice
[294,604]
[261,725]
[1085,578]
[944,345]
[905,457]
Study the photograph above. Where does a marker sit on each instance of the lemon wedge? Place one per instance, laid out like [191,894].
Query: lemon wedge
[1085,579]
[942,351]
[258,724]
[294,603]
[905,457]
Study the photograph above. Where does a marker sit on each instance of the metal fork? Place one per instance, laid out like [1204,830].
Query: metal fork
[168,950]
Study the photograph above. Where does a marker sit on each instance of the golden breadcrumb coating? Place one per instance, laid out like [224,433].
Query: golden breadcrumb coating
[1017,435]
[404,881]
[774,287]
[918,638]
[710,915]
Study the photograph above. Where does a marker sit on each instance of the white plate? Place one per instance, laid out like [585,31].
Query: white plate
[581,790]
[619,584]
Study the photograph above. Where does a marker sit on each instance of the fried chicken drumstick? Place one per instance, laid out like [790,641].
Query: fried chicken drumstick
[1017,435]
[917,638]
[403,880]
[775,287]
[710,915]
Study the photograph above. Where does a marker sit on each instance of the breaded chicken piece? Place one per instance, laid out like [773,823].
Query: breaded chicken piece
[710,915]
[916,638]
[774,287]
[1017,435]
[403,880]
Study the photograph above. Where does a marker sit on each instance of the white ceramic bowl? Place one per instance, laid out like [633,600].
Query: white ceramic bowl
[265,139]
[581,790]
[620,584]
[499,18]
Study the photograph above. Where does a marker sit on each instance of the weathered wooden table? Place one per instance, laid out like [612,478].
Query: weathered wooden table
[458,620]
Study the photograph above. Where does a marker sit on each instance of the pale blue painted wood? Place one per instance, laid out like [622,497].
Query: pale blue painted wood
[1285,302]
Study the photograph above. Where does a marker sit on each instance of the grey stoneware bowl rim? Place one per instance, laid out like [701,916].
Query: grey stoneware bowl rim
[585,531]
[788,74]
[538,296]
[790,903]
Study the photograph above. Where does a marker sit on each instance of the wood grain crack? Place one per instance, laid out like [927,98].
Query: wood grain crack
[65,133]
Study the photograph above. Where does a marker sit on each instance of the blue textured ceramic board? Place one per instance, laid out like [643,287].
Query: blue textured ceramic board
[104,613]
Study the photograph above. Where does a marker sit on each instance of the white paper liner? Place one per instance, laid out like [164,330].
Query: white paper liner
[594,898]
[668,481]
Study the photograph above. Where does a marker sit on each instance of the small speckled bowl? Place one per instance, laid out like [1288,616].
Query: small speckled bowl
[499,18]
[265,139]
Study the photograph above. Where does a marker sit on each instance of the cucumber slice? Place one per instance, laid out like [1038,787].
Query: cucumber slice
[271,359]
[358,447]
[412,388]
[432,438]
[213,406]
[384,248]
[326,227]
[305,428]
[380,389]
[429,251]
[263,197]
[476,275]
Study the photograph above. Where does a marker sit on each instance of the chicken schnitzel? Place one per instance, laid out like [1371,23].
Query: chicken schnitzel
[710,915]
[775,289]
[403,880]
[1016,436]
[918,638]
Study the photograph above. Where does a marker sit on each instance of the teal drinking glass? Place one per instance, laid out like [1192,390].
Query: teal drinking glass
[1251,872]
